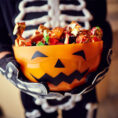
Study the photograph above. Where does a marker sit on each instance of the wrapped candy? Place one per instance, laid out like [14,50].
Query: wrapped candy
[46,36]
[40,44]
[83,37]
[75,27]
[59,35]
[18,30]
[97,31]
[56,32]
[53,41]
[66,39]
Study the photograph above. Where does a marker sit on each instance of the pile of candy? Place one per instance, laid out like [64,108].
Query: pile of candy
[72,33]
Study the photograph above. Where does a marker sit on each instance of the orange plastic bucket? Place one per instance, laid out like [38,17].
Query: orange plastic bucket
[63,67]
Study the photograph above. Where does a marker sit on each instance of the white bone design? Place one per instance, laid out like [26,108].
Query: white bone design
[91,107]
[34,114]
[55,17]
[66,106]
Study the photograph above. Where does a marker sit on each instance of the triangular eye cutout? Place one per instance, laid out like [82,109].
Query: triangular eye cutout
[38,54]
[80,53]
[59,64]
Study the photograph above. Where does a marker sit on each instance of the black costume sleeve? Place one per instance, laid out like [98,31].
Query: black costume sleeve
[99,12]
[5,40]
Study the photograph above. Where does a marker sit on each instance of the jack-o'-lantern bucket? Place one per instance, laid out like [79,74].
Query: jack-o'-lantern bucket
[63,67]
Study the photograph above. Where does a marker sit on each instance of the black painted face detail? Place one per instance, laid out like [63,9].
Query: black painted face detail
[59,64]
[38,54]
[61,77]
[80,53]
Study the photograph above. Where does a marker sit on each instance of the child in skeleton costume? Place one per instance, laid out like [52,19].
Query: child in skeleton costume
[37,100]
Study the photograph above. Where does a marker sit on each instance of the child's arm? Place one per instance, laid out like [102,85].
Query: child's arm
[10,68]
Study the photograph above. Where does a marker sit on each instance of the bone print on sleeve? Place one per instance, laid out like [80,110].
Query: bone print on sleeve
[91,107]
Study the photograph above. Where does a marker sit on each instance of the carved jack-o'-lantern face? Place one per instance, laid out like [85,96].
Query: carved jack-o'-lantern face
[63,67]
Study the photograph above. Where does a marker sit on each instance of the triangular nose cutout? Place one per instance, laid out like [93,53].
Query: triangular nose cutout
[59,64]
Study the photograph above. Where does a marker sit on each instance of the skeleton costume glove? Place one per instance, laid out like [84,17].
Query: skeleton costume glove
[11,70]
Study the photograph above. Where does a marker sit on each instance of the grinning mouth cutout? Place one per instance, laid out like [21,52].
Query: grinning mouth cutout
[61,77]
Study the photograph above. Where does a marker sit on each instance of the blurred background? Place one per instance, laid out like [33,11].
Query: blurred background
[109,104]
[107,90]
